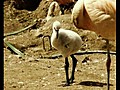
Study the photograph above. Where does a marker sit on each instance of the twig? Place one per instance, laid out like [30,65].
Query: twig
[16,32]
[93,52]
[52,57]
[78,53]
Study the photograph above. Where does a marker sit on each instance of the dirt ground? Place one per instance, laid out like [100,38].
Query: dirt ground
[34,71]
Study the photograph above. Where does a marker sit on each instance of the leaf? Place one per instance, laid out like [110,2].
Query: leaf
[14,49]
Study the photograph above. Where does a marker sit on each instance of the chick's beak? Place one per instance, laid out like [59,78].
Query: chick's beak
[57,31]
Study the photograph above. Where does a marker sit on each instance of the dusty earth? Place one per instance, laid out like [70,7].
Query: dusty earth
[34,71]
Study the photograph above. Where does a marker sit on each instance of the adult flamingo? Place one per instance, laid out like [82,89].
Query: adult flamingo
[99,16]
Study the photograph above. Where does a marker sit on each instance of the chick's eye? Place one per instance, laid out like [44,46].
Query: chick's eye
[66,46]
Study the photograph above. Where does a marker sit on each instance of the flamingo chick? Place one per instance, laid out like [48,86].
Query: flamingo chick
[67,42]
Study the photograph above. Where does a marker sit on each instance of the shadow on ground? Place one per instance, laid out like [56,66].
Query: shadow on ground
[92,83]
